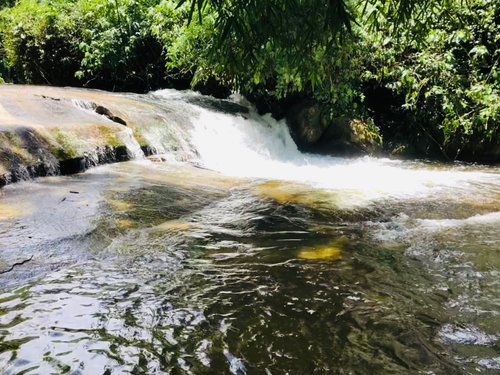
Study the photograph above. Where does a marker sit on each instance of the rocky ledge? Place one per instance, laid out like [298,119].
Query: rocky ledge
[49,131]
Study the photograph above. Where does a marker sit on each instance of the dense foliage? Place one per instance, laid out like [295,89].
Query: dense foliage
[426,71]
[445,80]
[95,43]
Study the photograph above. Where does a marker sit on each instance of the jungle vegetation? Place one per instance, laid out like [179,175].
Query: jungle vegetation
[422,71]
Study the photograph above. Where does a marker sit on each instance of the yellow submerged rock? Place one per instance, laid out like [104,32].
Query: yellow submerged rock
[329,251]
[8,211]
[174,225]
[125,223]
[321,253]
[277,190]
[119,205]
[290,192]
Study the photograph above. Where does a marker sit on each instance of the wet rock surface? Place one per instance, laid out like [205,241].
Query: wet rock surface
[314,131]
[49,131]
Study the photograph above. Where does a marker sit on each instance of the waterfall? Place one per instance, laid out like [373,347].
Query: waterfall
[254,146]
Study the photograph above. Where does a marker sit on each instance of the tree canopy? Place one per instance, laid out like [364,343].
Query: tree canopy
[423,68]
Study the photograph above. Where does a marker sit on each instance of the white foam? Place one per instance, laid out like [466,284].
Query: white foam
[432,224]
[255,146]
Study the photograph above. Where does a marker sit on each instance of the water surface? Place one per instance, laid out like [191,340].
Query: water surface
[237,253]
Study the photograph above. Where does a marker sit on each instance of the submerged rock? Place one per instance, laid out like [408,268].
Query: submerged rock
[323,253]
[330,251]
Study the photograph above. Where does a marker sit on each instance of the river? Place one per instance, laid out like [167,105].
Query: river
[232,252]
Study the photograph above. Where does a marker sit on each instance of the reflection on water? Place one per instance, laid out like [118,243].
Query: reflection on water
[170,269]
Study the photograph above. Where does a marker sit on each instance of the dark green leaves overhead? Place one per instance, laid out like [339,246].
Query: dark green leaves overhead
[299,28]
[333,16]
[436,61]
[237,15]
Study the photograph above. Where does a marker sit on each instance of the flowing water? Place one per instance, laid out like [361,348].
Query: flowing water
[233,253]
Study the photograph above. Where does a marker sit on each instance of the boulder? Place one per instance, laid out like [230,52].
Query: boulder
[478,150]
[345,136]
[306,124]
[314,131]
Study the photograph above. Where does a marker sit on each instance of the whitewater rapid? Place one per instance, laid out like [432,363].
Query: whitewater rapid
[253,146]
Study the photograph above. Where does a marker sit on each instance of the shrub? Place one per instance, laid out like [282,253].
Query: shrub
[119,49]
[446,78]
[40,44]
[106,44]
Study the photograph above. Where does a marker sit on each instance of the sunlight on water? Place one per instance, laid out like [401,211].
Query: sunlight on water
[239,253]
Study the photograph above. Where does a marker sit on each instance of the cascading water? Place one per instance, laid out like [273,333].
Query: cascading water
[253,146]
[265,260]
